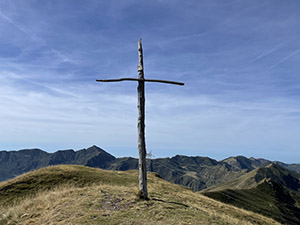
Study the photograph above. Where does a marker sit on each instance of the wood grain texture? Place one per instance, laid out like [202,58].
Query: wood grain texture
[141,127]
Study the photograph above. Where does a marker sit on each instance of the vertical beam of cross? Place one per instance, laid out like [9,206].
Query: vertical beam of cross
[141,118]
[141,126]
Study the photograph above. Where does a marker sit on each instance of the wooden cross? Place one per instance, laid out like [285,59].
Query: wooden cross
[141,118]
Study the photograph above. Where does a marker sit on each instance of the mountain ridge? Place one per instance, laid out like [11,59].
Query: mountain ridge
[195,172]
[272,191]
[14,163]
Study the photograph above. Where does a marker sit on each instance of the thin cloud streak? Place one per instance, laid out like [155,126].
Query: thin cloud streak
[19,27]
[283,60]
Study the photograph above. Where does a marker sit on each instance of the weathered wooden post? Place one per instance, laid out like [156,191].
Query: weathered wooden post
[141,118]
[141,126]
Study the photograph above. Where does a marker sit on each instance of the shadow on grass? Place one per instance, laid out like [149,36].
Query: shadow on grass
[170,202]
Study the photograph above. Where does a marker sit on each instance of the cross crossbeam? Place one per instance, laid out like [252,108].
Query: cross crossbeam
[138,79]
[141,117]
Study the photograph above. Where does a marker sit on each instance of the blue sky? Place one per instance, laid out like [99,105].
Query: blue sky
[239,61]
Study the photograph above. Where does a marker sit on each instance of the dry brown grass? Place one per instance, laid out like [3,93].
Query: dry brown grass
[101,203]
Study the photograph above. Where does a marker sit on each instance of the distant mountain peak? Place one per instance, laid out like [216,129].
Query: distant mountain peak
[242,162]
[94,147]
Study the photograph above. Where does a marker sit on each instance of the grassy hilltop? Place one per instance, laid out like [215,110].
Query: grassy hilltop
[70,194]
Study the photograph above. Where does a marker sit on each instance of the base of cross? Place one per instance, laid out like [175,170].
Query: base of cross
[142,196]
